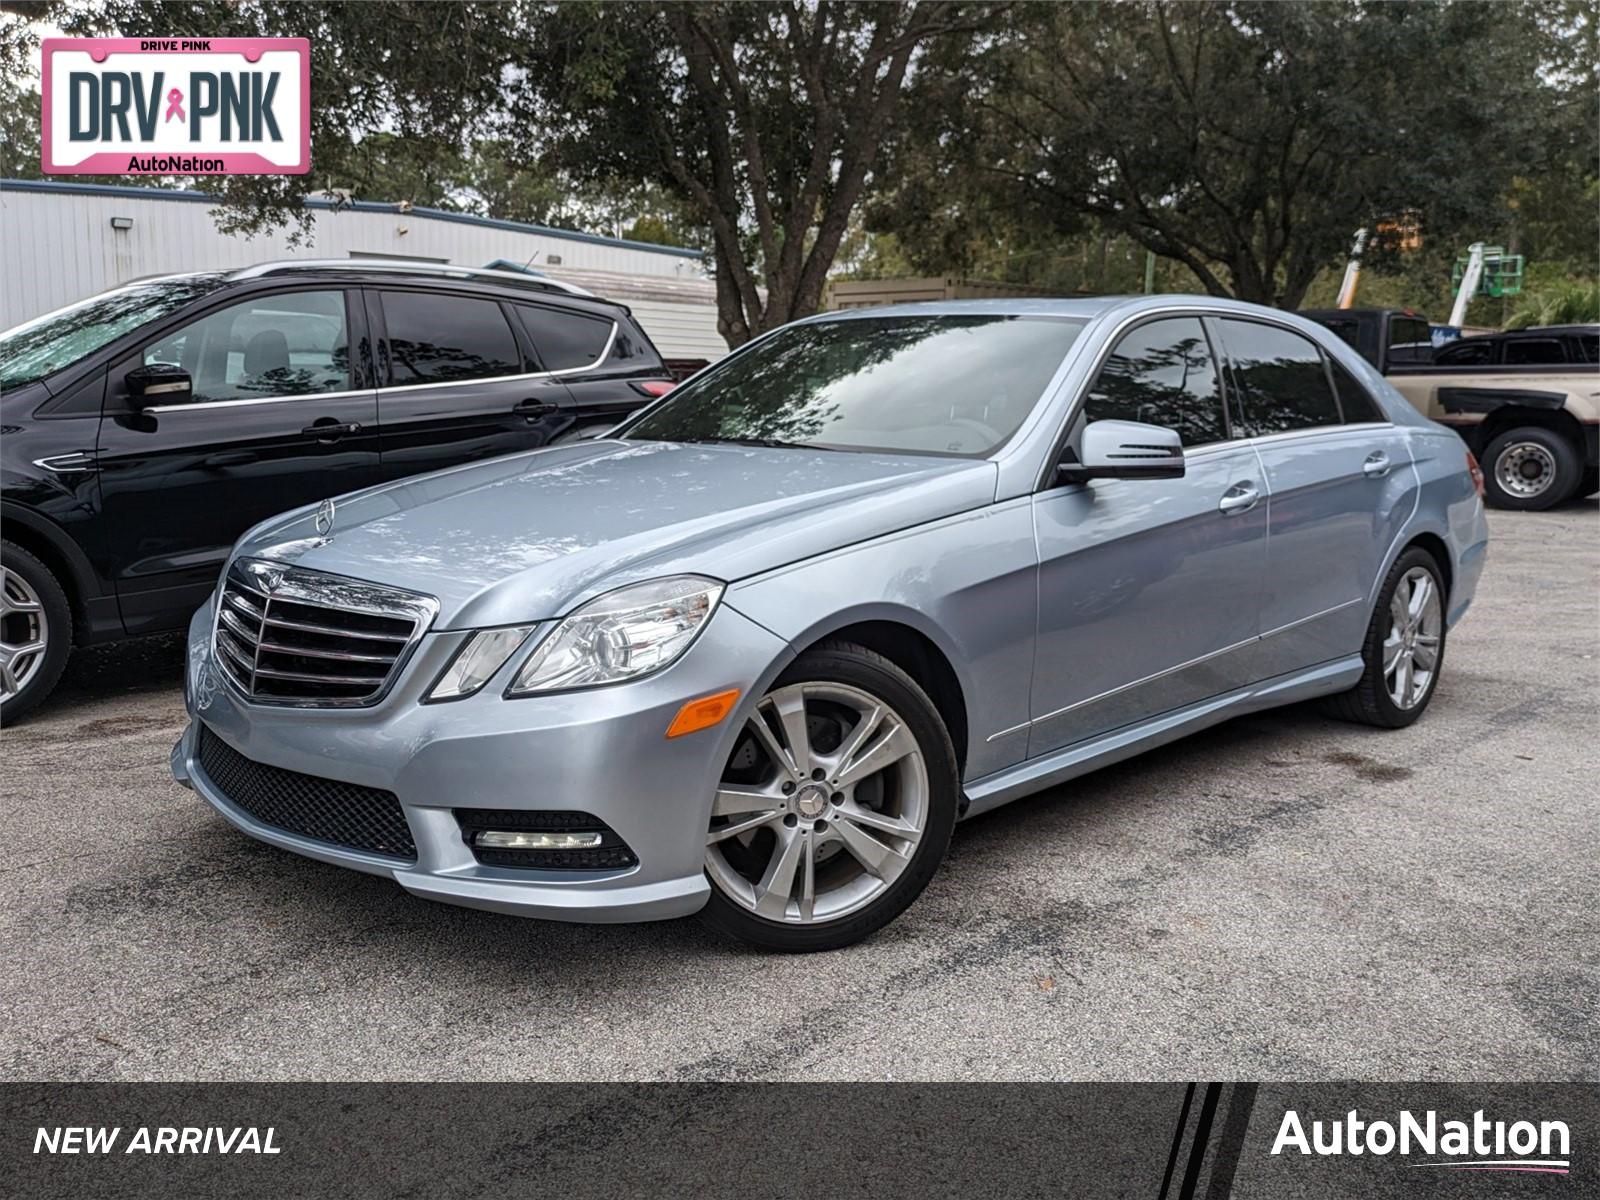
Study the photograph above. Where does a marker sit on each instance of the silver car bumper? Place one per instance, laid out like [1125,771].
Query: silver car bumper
[602,752]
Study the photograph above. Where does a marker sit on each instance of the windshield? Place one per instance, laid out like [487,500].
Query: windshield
[58,339]
[958,385]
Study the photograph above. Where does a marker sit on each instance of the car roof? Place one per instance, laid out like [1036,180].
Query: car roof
[1548,330]
[1082,308]
[526,286]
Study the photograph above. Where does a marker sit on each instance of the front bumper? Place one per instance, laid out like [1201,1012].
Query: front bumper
[602,752]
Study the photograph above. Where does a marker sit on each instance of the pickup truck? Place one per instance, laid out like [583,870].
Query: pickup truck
[1526,402]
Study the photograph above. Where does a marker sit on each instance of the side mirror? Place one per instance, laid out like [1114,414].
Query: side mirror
[1125,450]
[158,383]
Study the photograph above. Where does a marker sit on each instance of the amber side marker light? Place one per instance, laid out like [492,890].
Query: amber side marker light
[1476,472]
[703,713]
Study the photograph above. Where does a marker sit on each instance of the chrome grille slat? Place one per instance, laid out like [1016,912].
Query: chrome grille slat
[235,625]
[337,655]
[236,598]
[304,627]
[284,635]
[308,677]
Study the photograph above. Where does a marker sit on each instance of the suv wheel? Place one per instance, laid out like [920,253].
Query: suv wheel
[35,631]
[1531,469]
[835,807]
[1404,648]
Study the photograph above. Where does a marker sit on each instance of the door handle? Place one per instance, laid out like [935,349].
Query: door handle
[1376,466]
[534,409]
[1240,498]
[327,429]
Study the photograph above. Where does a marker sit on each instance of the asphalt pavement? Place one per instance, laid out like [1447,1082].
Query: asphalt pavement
[1280,898]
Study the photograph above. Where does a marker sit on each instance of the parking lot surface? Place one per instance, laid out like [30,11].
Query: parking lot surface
[1283,897]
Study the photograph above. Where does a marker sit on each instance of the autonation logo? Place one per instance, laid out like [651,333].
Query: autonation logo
[1476,1145]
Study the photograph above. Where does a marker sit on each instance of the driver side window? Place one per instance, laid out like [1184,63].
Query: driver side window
[291,344]
[1162,373]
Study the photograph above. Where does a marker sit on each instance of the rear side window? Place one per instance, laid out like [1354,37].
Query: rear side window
[566,341]
[441,338]
[1535,351]
[1587,346]
[1410,342]
[1280,380]
[1162,374]
[630,348]
[1355,400]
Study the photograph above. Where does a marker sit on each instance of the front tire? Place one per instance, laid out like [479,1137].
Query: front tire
[35,631]
[835,808]
[1404,648]
[1531,469]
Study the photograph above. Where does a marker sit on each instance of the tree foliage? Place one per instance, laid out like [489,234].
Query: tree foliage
[767,120]
[1246,141]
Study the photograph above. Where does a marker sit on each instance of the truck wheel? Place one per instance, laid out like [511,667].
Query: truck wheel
[35,631]
[1590,484]
[1531,468]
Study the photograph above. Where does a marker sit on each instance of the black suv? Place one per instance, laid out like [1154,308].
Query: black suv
[146,428]
[1542,346]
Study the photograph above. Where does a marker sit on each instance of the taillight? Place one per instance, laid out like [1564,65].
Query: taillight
[1476,472]
[654,388]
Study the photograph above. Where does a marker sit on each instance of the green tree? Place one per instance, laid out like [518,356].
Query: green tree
[767,121]
[1246,141]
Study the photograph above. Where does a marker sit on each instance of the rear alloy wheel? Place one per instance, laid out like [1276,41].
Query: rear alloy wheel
[35,631]
[835,806]
[1531,469]
[1404,648]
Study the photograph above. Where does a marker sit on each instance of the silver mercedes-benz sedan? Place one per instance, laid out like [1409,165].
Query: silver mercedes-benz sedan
[755,652]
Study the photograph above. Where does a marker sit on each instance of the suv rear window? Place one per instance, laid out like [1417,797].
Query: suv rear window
[1280,379]
[566,341]
[436,338]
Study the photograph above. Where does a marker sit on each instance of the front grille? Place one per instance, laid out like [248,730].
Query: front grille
[344,814]
[290,636]
[610,855]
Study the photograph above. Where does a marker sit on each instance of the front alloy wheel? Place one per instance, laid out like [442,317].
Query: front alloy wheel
[835,806]
[24,634]
[35,631]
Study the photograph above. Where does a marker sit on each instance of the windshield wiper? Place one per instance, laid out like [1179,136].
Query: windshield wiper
[748,441]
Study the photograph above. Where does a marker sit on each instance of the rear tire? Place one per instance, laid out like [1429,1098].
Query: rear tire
[35,631]
[823,854]
[1531,469]
[1413,644]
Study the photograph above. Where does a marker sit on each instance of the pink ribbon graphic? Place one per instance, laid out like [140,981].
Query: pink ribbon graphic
[175,105]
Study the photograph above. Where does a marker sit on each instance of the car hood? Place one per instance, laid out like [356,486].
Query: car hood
[527,537]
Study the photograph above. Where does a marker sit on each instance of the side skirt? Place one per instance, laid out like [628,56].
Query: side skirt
[1058,766]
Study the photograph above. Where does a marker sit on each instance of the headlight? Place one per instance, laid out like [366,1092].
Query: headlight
[475,663]
[621,635]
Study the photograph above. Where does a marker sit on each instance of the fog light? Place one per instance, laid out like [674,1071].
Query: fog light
[522,839]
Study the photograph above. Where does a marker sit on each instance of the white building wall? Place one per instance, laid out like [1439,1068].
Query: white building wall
[57,247]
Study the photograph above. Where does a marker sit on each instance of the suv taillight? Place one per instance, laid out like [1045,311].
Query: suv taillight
[654,388]
[1476,472]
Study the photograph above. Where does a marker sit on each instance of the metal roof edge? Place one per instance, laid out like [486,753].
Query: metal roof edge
[318,202]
